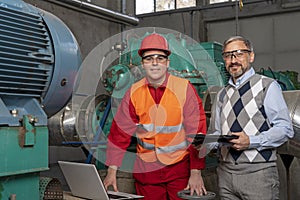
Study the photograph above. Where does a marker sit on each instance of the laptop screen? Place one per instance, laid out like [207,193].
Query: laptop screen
[84,181]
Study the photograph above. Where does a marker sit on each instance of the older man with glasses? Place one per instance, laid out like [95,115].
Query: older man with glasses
[251,107]
[161,110]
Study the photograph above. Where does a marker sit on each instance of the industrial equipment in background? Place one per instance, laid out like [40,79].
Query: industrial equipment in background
[201,63]
[39,59]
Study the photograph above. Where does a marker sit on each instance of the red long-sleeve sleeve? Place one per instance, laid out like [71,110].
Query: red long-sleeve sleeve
[194,122]
[121,131]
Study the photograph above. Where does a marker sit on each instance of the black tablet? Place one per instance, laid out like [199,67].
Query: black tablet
[227,138]
[202,138]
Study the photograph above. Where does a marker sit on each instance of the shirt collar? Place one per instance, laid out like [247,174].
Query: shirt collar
[242,79]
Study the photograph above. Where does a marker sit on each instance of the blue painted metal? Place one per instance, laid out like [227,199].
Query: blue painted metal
[14,108]
[39,56]
[66,64]
[26,54]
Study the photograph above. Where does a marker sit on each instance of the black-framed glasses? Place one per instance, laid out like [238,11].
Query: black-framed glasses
[150,58]
[236,53]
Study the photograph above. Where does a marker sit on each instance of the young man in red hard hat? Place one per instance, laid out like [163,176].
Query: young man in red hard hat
[161,110]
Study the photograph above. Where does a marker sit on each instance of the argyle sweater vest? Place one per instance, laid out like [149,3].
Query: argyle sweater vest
[242,109]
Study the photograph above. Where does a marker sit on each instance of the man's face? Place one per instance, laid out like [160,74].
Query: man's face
[238,58]
[156,64]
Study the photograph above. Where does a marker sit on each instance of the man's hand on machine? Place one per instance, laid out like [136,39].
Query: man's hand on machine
[196,184]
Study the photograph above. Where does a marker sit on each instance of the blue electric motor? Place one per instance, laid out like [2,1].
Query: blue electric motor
[39,60]
[39,56]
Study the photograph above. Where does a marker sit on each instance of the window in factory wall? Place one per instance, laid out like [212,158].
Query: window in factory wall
[147,6]
[144,6]
[185,3]
[218,1]
[165,5]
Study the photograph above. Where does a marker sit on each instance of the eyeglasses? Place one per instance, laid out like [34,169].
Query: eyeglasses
[150,58]
[236,53]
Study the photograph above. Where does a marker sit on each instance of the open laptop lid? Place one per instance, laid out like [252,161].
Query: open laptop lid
[84,181]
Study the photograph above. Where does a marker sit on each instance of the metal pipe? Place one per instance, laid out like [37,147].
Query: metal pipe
[237,29]
[97,11]
[123,10]
[290,5]
[192,24]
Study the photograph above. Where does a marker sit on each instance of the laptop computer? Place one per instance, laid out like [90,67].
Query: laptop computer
[84,182]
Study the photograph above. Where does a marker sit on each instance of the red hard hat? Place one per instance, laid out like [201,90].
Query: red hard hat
[154,42]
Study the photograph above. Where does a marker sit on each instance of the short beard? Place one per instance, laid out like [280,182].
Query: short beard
[237,74]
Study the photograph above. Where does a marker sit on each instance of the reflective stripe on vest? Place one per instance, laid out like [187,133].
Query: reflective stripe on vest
[167,149]
[160,131]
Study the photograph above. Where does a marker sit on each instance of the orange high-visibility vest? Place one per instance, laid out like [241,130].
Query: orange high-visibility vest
[160,132]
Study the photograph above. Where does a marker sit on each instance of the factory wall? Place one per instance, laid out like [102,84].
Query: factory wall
[276,42]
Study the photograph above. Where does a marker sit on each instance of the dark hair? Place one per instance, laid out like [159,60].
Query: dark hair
[238,38]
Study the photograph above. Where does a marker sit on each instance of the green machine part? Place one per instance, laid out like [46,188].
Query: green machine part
[293,76]
[23,154]
[23,186]
[209,62]
[282,78]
